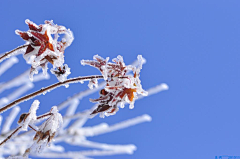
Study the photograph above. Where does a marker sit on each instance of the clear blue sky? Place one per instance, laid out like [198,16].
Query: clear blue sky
[192,45]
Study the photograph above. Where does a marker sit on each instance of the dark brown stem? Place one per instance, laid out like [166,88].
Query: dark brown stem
[9,137]
[49,88]
[43,116]
[7,54]
[32,128]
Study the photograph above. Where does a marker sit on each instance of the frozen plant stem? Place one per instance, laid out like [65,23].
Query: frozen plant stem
[8,54]
[49,88]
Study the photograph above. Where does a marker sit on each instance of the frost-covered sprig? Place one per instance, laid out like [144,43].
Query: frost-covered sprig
[29,118]
[46,132]
[120,88]
[26,120]
[42,48]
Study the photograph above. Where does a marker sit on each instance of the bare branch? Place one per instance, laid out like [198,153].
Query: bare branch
[10,53]
[11,135]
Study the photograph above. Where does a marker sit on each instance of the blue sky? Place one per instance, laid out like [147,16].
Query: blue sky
[192,45]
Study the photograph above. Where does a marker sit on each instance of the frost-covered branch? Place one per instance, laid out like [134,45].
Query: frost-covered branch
[8,64]
[46,133]
[47,89]
[13,52]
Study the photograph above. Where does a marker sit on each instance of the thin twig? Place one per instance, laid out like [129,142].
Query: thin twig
[49,88]
[43,116]
[9,137]
[32,128]
[7,54]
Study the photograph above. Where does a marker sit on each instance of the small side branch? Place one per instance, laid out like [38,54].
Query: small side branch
[8,54]
[49,88]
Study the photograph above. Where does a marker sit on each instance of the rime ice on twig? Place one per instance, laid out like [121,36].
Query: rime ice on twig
[17,93]
[156,89]
[42,48]
[17,157]
[120,88]
[45,90]
[30,117]
[70,111]
[46,131]
[87,92]
[16,51]
[9,120]
[105,128]
[22,79]
[8,64]
[85,114]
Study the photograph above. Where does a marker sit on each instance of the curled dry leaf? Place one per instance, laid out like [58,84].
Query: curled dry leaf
[42,47]
[120,88]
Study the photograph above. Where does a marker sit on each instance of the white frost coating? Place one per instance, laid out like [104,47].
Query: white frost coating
[86,113]
[120,87]
[82,154]
[90,144]
[20,91]
[68,38]
[41,77]
[80,95]
[8,64]
[17,81]
[10,118]
[93,82]
[31,116]
[78,123]
[74,134]
[88,92]
[42,48]
[61,74]
[104,128]
[22,79]
[49,128]
[17,157]
[16,94]
[65,155]
[157,89]
[14,53]
[1,118]
[70,111]
[4,101]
